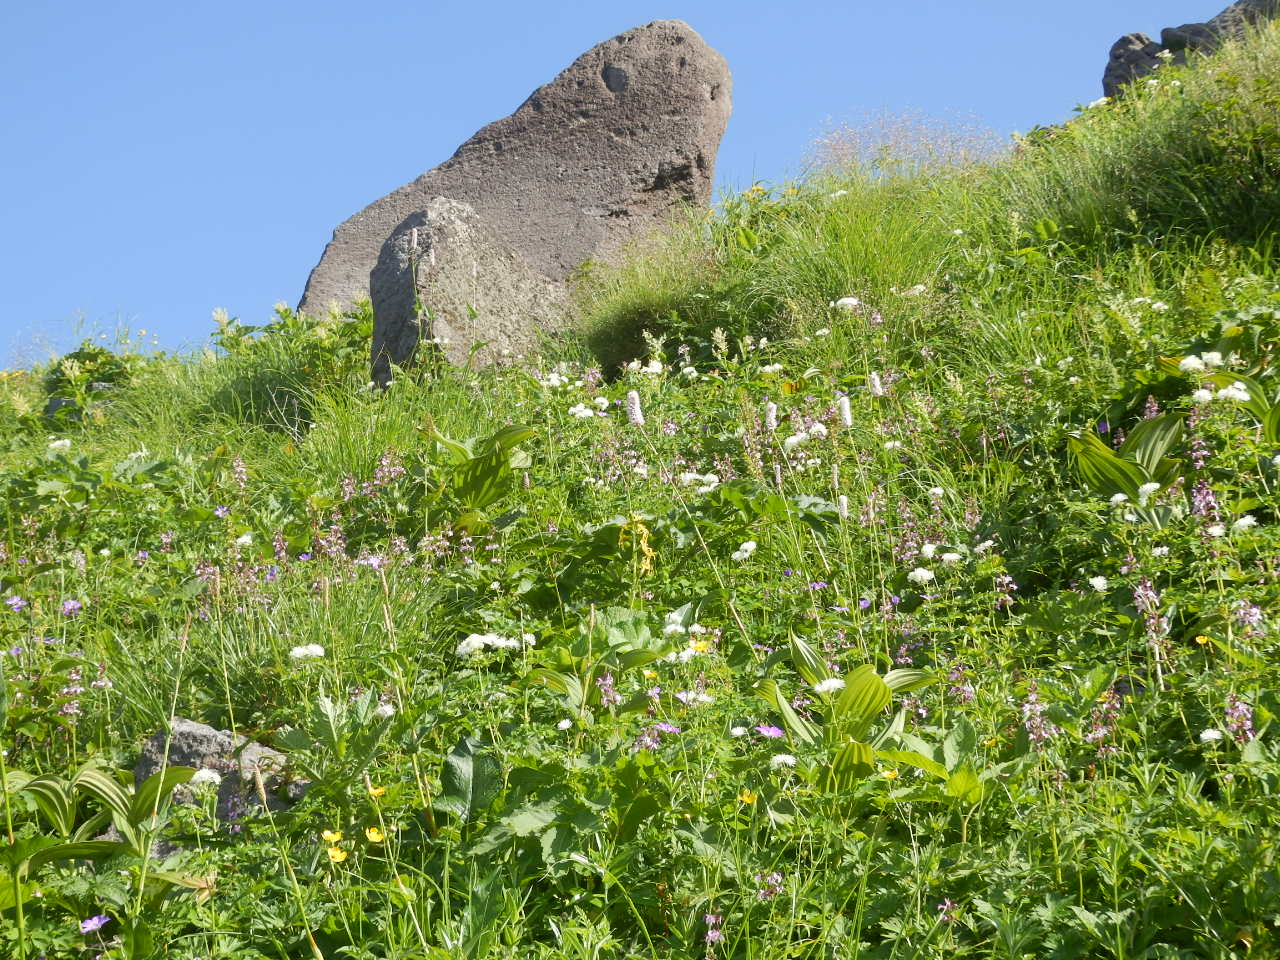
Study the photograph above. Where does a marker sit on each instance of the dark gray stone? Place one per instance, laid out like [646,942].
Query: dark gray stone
[605,153]
[1135,55]
[234,758]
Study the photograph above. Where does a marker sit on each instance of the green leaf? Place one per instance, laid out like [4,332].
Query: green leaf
[960,743]
[105,789]
[155,790]
[533,817]
[1104,472]
[1270,430]
[854,761]
[913,758]
[470,780]
[808,664]
[906,679]
[865,696]
[1150,441]
[56,799]
[963,784]
[797,726]
[481,481]
[87,850]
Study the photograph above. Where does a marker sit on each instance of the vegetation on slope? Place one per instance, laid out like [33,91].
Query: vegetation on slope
[896,578]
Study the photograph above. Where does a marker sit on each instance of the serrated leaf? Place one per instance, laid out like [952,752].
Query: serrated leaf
[469,781]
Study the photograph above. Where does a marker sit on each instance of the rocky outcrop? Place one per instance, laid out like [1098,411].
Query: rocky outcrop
[221,760]
[1135,55]
[604,153]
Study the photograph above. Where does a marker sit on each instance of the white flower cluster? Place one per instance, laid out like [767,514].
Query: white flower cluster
[706,482]
[652,367]
[1198,364]
[771,368]
[848,304]
[204,777]
[558,381]
[59,446]
[474,643]
[920,576]
[744,551]
[310,651]
[829,685]
[815,431]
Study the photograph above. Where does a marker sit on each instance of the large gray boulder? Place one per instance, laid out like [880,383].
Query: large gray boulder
[606,152]
[1135,55]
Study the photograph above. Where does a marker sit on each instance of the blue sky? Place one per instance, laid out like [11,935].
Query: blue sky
[163,159]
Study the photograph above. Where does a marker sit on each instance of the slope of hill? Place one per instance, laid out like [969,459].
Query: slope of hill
[888,570]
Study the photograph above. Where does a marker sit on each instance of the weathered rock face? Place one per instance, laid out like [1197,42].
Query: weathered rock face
[233,758]
[477,289]
[602,154]
[1136,55]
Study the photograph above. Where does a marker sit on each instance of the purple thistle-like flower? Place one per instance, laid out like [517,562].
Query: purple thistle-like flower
[774,733]
[94,923]
[609,696]
[1039,727]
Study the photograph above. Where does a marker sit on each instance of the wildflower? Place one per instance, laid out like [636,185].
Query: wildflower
[1202,396]
[376,792]
[337,854]
[1237,391]
[1212,359]
[875,385]
[846,411]
[1239,718]
[1191,364]
[204,777]
[920,576]
[1039,728]
[829,685]
[609,696]
[950,559]
[747,796]
[16,604]
[59,446]
[771,416]
[842,506]
[779,760]
[773,733]
[309,651]
[846,303]
[374,835]
[71,607]
[948,910]
[634,414]
[1099,584]
[822,331]
[244,540]
[738,731]
[1244,523]
[793,441]
[94,923]
[1146,490]
[564,724]
[770,885]
[1118,498]
[714,933]
[581,411]
[893,444]
[1210,735]
[771,368]
[1216,530]
[744,551]
[384,710]
[889,774]
[331,837]
[1202,640]
[602,403]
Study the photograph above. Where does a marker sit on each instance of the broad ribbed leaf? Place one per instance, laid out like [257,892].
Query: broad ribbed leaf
[1104,472]
[155,790]
[1151,440]
[854,761]
[865,696]
[808,664]
[797,726]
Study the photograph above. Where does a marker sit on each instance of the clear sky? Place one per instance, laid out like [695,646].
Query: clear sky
[161,159]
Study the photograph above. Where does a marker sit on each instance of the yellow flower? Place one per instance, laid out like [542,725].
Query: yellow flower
[747,796]
[700,646]
[374,834]
[332,836]
[889,774]
[337,854]
[1203,640]
[649,674]
[376,792]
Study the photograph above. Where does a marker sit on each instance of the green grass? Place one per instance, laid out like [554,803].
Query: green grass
[1056,731]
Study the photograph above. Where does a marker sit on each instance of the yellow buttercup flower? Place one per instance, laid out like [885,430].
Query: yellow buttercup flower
[337,854]
[1203,640]
[332,836]
[374,834]
[889,774]
[700,646]
[376,792]
[747,796]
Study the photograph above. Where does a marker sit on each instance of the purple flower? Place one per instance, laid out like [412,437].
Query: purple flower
[774,733]
[1239,717]
[770,885]
[948,909]
[665,727]
[71,607]
[17,604]
[94,923]
[221,512]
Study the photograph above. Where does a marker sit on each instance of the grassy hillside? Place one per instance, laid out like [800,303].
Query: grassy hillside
[888,569]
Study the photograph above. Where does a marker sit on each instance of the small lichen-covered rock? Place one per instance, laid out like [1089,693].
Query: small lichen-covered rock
[477,292]
[604,153]
[233,758]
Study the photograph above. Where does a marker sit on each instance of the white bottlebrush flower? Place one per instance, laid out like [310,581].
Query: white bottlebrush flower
[745,551]
[1216,530]
[1099,584]
[950,559]
[847,303]
[738,731]
[1191,364]
[779,760]
[920,575]
[384,710]
[817,431]
[1202,396]
[1211,735]
[1212,358]
[771,368]
[59,446]
[1118,498]
[309,651]
[564,724]
[846,410]
[634,413]
[893,444]
[581,411]
[1244,523]
[771,416]
[928,550]
[1237,392]
[875,385]
[793,441]
[842,506]
[829,685]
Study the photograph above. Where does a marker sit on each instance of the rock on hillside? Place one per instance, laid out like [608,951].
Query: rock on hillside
[1135,54]
[602,154]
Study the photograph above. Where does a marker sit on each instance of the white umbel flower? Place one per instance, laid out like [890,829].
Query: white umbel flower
[829,685]
[779,760]
[1099,584]
[1191,364]
[1244,523]
[309,651]
[744,551]
[920,575]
